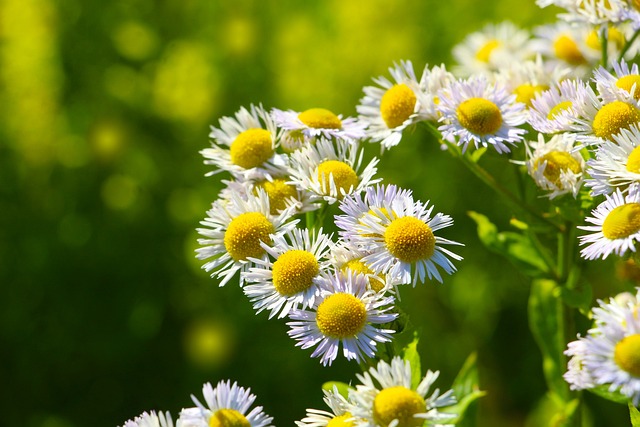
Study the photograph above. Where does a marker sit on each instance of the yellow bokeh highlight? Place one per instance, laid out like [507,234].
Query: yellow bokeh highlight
[134,40]
[209,343]
[119,192]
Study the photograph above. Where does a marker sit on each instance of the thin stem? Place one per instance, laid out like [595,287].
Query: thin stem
[628,44]
[488,179]
[605,45]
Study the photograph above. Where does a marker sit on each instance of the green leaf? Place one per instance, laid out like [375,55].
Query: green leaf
[516,247]
[614,396]
[343,388]
[410,354]
[476,154]
[635,415]
[465,388]
[547,325]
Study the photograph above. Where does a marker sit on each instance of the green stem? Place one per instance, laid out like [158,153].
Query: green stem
[488,179]
[605,45]
[628,44]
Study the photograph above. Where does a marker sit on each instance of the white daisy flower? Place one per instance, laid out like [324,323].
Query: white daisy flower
[567,45]
[339,414]
[476,111]
[293,278]
[225,405]
[235,229]
[330,170]
[623,84]
[245,145]
[616,226]
[617,163]
[316,122]
[346,313]
[385,397]
[556,109]
[631,13]
[492,48]
[609,355]
[529,78]
[389,108]
[594,12]
[399,235]
[347,258]
[432,81]
[599,120]
[555,165]
[150,419]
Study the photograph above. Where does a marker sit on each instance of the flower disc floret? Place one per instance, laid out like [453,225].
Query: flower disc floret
[320,118]
[398,403]
[633,161]
[627,82]
[567,49]
[357,266]
[251,148]
[343,175]
[480,116]
[397,105]
[244,234]
[341,315]
[622,221]
[484,53]
[525,93]
[344,420]
[279,192]
[613,117]
[294,271]
[627,354]
[228,418]
[409,239]
[559,108]
[558,162]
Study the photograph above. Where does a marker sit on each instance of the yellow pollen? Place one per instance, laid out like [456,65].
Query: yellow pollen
[558,162]
[397,105]
[357,266]
[279,193]
[341,315]
[526,92]
[567,49]
[627,354]
[484,53]
[344,177]
[294,271]
[613,117]
[398,403]
[251,148]
[244,234]
[622,221]
[320,118]
[340,421]
[409,239]
[633,162]
[560,107]
[228,418]
[480,116]
[627,82]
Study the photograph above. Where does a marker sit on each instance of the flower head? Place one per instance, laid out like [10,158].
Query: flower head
[344,314]
[316,122]
[150,419]
[339,415]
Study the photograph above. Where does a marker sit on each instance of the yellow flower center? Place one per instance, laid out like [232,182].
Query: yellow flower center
[633,162]
[526,92]
[228,418]
[398,403]
[397,105]
[615,36]
[479,115]
[558,162]
[567,49]
[409,239]
[357,266]
[244,234]
[320,118]
[622,221]
[635,4]
[560,107]
[279,192]
[627,82]
[341,315]
[627,354]
[340,421]
[344,177]
[613,117]
[251,148]
[484,53]
[294,271]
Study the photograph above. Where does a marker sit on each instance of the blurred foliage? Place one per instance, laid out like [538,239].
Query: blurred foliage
[104,310]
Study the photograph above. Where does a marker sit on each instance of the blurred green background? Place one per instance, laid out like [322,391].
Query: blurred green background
[104,311]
